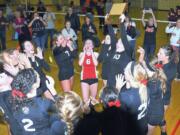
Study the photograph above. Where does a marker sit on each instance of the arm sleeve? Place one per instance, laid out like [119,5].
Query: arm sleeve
[113,36]
[123,99]
[44,64]
[169,30]
[124,39]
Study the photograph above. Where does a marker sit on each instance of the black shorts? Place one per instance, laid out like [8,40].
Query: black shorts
[166,98]
[65,75]
[156,121]
[90,81]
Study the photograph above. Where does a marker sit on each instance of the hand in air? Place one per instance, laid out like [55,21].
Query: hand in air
[120,82]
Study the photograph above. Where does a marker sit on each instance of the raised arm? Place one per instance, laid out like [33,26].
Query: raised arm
[154,18]
[124,35]
[169,29]
[111,32]
[81,58]
[143,15]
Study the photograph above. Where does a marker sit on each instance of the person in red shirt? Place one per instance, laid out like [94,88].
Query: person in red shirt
[89,77]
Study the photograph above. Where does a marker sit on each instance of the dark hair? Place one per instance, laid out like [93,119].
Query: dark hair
[24,80]
[109,94]
[1,67]
[22,84]
[178,18]
[23,45]
[168,50]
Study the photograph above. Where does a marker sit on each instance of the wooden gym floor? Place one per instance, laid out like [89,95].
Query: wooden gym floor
[172,114]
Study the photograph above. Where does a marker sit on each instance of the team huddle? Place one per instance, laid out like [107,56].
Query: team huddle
[133,101]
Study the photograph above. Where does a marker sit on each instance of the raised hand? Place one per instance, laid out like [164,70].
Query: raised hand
[122,18]
[107,39]
[11,69]
[39,53]
[120,82]
[23,61]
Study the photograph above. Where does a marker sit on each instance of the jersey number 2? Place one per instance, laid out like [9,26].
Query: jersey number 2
[28,123]
[142,108]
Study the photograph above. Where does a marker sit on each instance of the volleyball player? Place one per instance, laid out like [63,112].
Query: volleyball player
[89,77]
[157,87]
[38,63]
[135,99]
[25,113]
[14,61]
[166,60]
[64,53]
[104,58]
[120,54]
[113,119]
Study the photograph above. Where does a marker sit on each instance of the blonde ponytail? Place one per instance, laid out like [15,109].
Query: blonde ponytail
[70,108]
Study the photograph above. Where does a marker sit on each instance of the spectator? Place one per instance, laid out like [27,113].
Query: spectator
[49,17]
[20,26]
[3,23]
[178,11]
[150,34]
[132,34]
[38,30]
[175,41]
[9,14]
[172,15]
[100,11]
[74,19]
[89,30]
[69,33]
[41,8]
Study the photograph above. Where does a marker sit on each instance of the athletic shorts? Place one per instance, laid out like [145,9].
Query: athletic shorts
[65,75]
[90,81]
[156,121]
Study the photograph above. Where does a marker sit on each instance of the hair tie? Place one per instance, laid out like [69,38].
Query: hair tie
[144,81]
[114,103]
[17,93]
[158,66]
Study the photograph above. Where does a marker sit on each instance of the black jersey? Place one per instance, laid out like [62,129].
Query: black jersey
[170,70]
[64,59]
[5,108]
[118,60]
[104,58]
[38,65]
[32,119]
[130,101]
[156,106]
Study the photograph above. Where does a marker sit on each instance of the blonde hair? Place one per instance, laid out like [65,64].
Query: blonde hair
[137,76]
[55,38]
[70,107]
[160,75]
